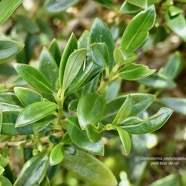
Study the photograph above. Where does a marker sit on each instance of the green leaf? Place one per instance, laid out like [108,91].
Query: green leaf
[128,8]
[107,4]
[100,54]
[55,6]
[80,138]
[56,155]
[177,24]
[7,8]
[100,33]
[1,119]
[73,66]
[90,109]
[84,40]
[70,47]
[124,110]
[125,139]
[35,112]
[151,124]
[73,105]
[173,67]
[173,10]
[33,171]
[140,103]
[177,104]
[138,29]
[9,48]
[33,77]
[1,171]
[141,4]
[4,181]
[89,169]
[9,98]
[135,72]
[55,51]
[48,67]
[158,81]
[27,96]
[122,57]
[170,180]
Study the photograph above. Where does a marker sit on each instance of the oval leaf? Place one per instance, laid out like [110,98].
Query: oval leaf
[57,155]
[4,181]
[90,109]
[33,77]
[138,29]
[80,138]
[84,165]
[35,112]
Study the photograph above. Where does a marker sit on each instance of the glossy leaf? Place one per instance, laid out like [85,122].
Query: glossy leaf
[140,103]
[158,81]
[73,66]
[84,40]
[84,165]
[124,110]
[56,155]
[100,54]
[7,8]
[141,4]
[177,24]
[90,109]
[35,112]
[135,72]
[125,139]
[9,107]
[138,29]
[107,4]
[9,98]
[4,181]
[34,78]
[69,49]
[55,51]
[80,138]
[73,105]
[122,57]
[9,48]
[151,124]
[55,6]
[48,67]
[27,96]
[173,66]
[128,8]
[173,10]
[100,33]
[177,104]
[33,171]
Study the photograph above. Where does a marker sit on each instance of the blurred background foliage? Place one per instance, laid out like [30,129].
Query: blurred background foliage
[37,22]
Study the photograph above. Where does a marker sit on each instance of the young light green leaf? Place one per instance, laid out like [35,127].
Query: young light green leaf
[80,138]
[4,181]
[140,103]
[1,170]
[48,67]
[1,119]
[177,24]
[138,29]
[9,48]
[141,4]
[158,81]
[35,112]
[173,10]
[84,165]
[34,78]
[122,57]
[177,104]
[55,6]
[173,66]
[100,54]
[123,111]
[135,72]
[90,109]
[7,8]
[148,125]
[33,171]
[56,155]
[84,40]
[55,51]
[73,66]
[128,8]
[70,47]
[27,96]
[100,33]
[125,139]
